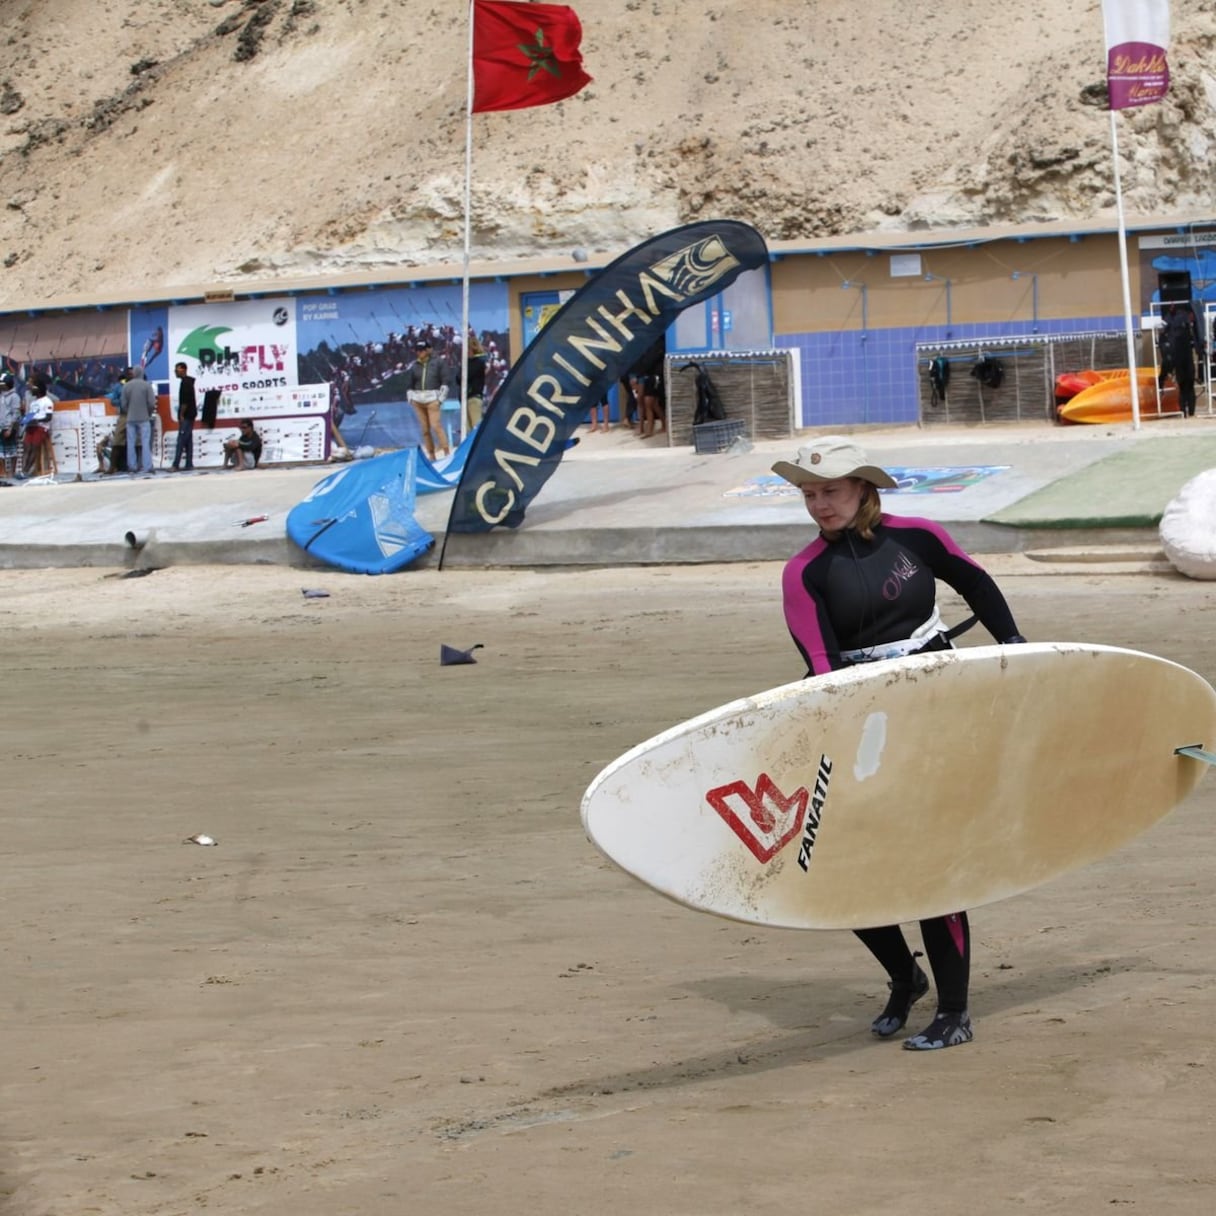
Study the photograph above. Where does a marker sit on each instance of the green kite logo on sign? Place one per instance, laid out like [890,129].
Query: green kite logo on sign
[205,338]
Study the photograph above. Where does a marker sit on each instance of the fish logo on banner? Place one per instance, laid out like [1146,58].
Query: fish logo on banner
[692,270]
[594,339]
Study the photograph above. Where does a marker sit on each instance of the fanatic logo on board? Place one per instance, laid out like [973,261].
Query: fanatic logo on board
[764,818]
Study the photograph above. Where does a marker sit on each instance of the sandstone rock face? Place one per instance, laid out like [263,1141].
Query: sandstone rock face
[151,143]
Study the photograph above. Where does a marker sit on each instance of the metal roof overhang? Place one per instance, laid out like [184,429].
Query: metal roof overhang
[903,240]
[411,274]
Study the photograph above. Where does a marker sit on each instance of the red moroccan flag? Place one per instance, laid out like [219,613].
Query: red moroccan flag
[525,55]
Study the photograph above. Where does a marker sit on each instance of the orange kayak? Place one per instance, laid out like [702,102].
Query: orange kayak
[1069,384]
[1108,397]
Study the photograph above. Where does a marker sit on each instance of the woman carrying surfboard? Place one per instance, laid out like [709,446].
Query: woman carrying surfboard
[866,589]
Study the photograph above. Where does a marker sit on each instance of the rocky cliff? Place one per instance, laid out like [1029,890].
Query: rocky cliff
[148,144]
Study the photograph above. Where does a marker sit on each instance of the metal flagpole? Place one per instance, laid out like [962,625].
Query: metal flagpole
[1132,369]
[468,229]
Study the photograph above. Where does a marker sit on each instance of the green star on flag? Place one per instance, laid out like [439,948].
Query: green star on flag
[541,55]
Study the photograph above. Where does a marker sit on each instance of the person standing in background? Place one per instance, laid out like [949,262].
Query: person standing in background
[628,397]
[650,406]
[139,405]
[187,412]
[10,422]
[1181,342]
[475,391]
[426,384]
[114,396]
[600,412]
[38,423]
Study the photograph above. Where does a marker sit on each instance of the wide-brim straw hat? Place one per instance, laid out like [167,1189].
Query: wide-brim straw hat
[831,457]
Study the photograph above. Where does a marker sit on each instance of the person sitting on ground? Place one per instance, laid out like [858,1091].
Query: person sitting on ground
[245,450]
[112,450]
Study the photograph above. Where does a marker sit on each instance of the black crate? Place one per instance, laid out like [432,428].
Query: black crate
[717,436]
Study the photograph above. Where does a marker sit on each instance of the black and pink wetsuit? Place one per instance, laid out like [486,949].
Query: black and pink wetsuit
[850,595]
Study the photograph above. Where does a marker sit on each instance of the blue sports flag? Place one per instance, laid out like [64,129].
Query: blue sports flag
[596,337]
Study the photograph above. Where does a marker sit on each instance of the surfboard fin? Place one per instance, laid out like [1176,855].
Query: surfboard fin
[1196,753]
[449,656]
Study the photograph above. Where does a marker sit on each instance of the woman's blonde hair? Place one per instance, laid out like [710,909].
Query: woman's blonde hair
[869,513]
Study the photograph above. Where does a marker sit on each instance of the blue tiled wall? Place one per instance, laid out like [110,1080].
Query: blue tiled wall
[850,378]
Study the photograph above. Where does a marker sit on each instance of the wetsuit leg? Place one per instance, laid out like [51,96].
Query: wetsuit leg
[948,944]
[1184,375]
[890,948]
[908,983]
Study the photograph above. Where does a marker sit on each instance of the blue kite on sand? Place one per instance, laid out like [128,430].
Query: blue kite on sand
[361,518]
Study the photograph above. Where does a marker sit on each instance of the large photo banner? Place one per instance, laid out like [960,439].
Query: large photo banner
[247,344]
[363,345]
[146,329]
[359,346]
[79,355]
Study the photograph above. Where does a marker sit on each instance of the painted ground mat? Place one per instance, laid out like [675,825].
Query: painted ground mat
[937,479]
[1127,490]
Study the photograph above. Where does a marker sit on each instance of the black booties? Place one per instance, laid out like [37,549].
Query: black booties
[904,994]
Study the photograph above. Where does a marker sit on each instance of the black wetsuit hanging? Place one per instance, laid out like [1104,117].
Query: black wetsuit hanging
[939,378]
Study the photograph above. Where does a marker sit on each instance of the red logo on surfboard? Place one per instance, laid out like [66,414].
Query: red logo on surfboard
[763,818]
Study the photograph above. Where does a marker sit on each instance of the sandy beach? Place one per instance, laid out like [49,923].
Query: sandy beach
[403,982]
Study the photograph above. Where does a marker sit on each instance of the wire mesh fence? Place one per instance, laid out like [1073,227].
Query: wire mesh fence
[1007,379]
[755,387]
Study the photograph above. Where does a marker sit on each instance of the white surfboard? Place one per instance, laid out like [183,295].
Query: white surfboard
[909,788]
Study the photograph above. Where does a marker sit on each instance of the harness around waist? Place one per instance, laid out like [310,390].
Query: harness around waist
[921,636]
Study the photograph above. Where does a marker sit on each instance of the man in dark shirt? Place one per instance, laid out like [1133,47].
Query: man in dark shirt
[1180,343]
[187,412]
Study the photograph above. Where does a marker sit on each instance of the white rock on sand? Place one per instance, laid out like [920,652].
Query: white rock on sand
[1188,527]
